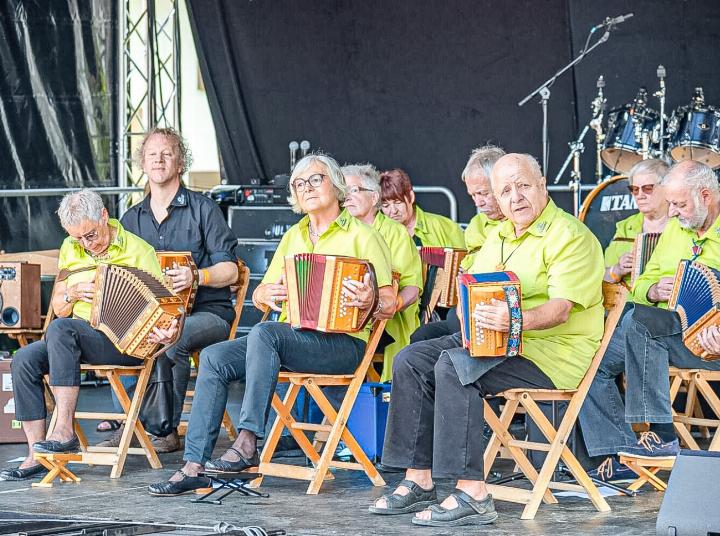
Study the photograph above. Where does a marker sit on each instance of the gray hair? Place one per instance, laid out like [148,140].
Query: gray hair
[483,158]
[333,172]
[369,177]
[653,166]
[696,177]
[77,207]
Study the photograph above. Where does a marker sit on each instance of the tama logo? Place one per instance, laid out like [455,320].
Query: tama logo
[618,202]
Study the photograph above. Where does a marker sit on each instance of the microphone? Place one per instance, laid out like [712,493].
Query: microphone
[304,147]
[293,153]
[611,21]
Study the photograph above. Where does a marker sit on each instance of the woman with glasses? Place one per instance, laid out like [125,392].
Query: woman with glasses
[94,238]
[363,202]
[426,228]
[317,189]
[643,179]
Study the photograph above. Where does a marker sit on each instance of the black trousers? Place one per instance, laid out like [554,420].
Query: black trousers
[67,343]
[433,330]
[435,422]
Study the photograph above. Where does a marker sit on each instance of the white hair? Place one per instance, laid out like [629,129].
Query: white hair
[369,178]
[530,161]
[694,175]
[483,158]
[653,166]
[333,172]
[77,207]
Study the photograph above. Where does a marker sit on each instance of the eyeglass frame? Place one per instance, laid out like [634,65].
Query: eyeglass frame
[305,182]
[358,189]
[647,189]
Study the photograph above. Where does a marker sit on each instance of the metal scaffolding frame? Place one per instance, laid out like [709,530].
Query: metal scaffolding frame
[149,78]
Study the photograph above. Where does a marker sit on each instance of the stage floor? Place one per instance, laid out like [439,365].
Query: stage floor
[339,509]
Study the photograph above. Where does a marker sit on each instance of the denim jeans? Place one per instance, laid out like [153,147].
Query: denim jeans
[647,362]
[200,330]
[68,342]
[257,359]
[602,416]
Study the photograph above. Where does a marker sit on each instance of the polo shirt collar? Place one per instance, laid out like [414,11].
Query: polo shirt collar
[342,221]
[420,220]
[713,233]
[538,228]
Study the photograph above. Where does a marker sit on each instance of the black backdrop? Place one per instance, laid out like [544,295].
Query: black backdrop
[418,84]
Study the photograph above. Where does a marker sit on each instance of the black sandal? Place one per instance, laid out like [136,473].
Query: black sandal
[416,500]
[188,484]
[109,425]
[218,465]
[468,512]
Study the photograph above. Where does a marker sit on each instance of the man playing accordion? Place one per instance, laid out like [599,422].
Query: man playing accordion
[317,188]
[435,421]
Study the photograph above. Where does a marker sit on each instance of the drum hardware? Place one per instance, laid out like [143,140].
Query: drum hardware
[293,146]
[660,94]
[304,147]
[544,90]
[598,107]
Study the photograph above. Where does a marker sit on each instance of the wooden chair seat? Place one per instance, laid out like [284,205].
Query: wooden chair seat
[557,436]
[647,469]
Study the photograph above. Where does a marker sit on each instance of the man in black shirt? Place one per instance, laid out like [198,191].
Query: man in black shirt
[173,218]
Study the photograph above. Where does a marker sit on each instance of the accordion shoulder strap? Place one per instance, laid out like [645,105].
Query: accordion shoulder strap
[64,274]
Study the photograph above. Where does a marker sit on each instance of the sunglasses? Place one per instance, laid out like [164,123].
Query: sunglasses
[646,189]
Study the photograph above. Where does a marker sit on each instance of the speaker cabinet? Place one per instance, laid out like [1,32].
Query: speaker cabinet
[20,295]
[691,503]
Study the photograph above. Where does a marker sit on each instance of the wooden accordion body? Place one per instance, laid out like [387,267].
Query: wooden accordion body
[643,247]
[479,289]
[169,260]
[128,304]
[315,297]
[440,267]
[695,297]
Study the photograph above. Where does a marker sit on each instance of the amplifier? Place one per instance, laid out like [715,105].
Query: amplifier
[20,295]
[268,222]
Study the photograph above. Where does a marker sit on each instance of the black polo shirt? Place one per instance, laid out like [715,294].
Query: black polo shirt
[194,223]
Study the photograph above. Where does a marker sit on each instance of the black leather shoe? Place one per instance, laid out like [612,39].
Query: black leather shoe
[16,473]
[388,469]
[218,465]
[188,484]
[57,447]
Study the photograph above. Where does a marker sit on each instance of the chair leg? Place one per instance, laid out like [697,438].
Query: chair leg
[682,429]
[229,426]
[712,399]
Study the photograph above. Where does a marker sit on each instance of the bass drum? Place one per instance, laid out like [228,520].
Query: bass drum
[606,205]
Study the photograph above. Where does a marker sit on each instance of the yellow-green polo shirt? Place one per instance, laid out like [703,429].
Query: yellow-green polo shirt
[436,230]
[125,249]
[475,235]
[405,260]
[345,236]
[625,232]
[556,257]
[676,244]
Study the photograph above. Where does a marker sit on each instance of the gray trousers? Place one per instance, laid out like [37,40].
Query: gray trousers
[68,342]
[435,422]
[257,359]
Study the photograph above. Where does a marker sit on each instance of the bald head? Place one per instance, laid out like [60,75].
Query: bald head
[519,187]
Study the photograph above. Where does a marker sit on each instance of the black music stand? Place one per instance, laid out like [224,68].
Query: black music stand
[230,482]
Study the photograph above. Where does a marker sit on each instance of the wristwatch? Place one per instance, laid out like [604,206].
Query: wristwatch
[67,298]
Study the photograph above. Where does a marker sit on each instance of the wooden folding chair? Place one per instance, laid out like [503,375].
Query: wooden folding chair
[696,383]
[336,426]
[556,448]
[242,283]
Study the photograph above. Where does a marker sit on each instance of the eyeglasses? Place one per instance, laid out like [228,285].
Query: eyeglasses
[647,189]
[88,238]
[313,180]
[356,189]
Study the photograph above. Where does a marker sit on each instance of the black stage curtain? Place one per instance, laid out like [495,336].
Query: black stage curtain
[58,98]
[418,84]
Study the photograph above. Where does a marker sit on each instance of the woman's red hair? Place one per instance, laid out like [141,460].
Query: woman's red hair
[395,185]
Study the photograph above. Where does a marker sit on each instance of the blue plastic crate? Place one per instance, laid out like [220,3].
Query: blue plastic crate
[368,417]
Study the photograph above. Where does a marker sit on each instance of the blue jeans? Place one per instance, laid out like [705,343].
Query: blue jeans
[257,359]
[200,330]
[602,416]
[647,361]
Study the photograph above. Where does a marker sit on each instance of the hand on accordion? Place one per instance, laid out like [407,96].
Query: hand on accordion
[271,295]
[709,339]
[660,291]
[624,265]
[494,316]
[164,336]
[182,277]
[82,291]
[361,294]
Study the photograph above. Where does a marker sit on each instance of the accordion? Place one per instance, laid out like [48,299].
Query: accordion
[315,297]
[479,289]
[128,304]
[169,260]
[440,266]
[643,247]
[695,297]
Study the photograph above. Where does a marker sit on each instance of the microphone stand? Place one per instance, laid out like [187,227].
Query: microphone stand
[544,91]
